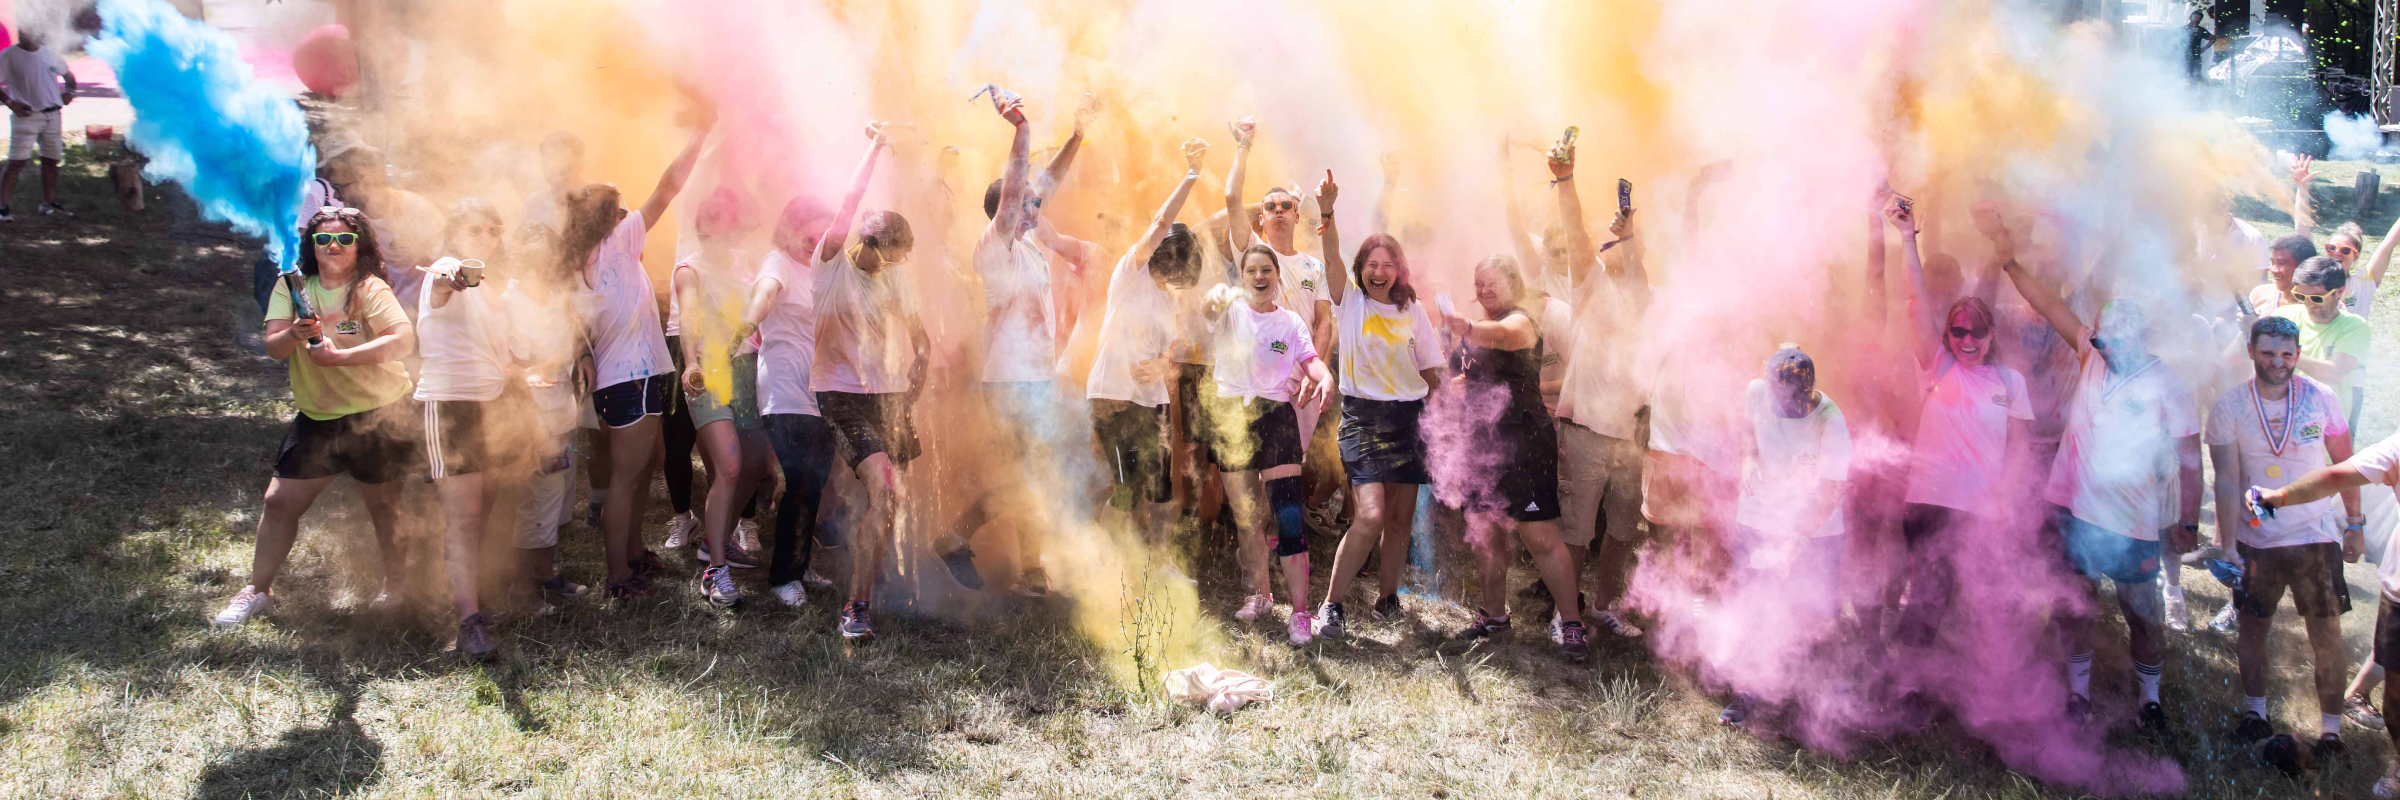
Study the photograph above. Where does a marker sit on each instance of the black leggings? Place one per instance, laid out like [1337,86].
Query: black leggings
[681,437]
[804,445]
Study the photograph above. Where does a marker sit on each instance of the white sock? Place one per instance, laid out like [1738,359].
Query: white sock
[2148,673]
[2079,673]
[2329,724]
[2255,705]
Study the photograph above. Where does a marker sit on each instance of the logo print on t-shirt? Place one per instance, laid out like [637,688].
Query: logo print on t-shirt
[2311,430]
[2000,399]
[1307,284]
[348,327]
[1279,347]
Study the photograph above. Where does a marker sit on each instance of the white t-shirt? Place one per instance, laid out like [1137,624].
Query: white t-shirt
[2116,462]
[2380,463]
[1794,460]
[1962,434]
[1303,277]
[32,76]
[542,333]
[1598,389]
[1133,328]
[1384,349]
[1259,355]
[627,344]
[862,342]
[724,289]
[1020,330]
[787,339]
[2314,413]
[464,344]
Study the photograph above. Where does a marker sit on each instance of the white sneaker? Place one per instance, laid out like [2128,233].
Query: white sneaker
[746,532]
[1256,605]
[792,594]
[2223,622]
[56,210]
[1558,633]
[248,605]
[679,530]
[2179,616]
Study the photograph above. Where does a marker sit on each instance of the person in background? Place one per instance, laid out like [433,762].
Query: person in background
[355,416]
[1789,523]
[2334,344]
[2197,44]
[2283,260]
[546,336]
[30,82]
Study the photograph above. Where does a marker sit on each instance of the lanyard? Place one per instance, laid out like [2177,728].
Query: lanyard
[2275,443]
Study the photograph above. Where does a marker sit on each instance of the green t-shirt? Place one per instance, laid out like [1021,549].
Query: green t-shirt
[2347,333]
[331,392]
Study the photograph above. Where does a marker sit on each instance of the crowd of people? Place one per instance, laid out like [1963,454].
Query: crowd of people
[506,355]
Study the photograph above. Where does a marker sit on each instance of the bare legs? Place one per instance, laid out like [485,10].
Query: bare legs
[633,458]
[1385,515]
[1489,530]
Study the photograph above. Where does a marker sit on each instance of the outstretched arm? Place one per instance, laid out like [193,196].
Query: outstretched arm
[2382,261]
[1382,221]
[1193,150]
[837,232]
[1520,238]
[1920,301]
[1570,207]
[1337,276]
[1011,215]
[1877,294]
[2044,300]
[2304,208]
[1237,224]
[671,183]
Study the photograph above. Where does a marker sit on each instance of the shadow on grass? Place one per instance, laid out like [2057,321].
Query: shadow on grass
[333,759]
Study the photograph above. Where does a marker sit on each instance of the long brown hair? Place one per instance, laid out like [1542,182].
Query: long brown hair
[1402,293]
[369,263]
[589,214]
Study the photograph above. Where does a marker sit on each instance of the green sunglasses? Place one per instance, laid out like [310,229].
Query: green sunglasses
[344,239]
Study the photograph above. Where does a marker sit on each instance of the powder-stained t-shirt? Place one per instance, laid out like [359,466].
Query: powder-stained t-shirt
[2279,447]
[863,344]
[463,344]
[628,343]
[2116,466]
[1259,355]
[787,338]
[1134,327]
[325,393]
[1962,434]
[2347,333]
[2380,464]
[1020,326]
[1794,460]
[1384,349]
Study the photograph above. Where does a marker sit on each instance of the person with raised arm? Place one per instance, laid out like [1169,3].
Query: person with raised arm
[1024,265]
[602,244]
[1393,361]
[355,416]
[1267,367]
[781,319]
[711,287]
[1277,225]
[2126,479]
[869,366]
[1128,383]
[1502,372]
[1970,442]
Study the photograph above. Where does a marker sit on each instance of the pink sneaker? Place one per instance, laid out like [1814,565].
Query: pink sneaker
[1304,627]
[1256,605]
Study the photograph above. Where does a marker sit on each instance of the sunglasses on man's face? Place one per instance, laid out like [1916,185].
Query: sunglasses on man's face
[2314,299]
[1970,333]
[1273,206]
[344,239]
[481,230]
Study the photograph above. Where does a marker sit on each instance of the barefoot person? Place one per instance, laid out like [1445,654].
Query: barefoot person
[2264,433]
[2126,480]
[1503,372]
[1266,367]
[474,427]
[1393,361]
[601,244]
[712,288]
[355,416]
[870,364]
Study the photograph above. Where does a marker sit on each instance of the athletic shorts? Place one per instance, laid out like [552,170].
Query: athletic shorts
[2387,634]
[1527,488]
[1380,442]
[378,446]
[866,424]
[621,404]
[1262,434]
[2099,553]
[464,437]
[2311,572]
[1133,448]
[42,130]
[1195,391]
[1599,485]
[710,407]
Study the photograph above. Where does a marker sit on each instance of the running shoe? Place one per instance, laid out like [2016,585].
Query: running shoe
[2079,709]
[2252,728]
[648,564]
[2329,746]
[559,586]
[1571,641]
[1329,618]
[792,594]
[1485,626]
[745,533]
[2223,622]
[680,531]
[716,584]
[2153,718]
[1558,629]
[814,581]
[5,216]
[475,640]
[961,562]
[248,605]
[855,624]
[2179,615]
[1256,605]
[1303,627]
[735,557]
[1739,711]
[1388,608]
[2360,710]
[56,210]
[2282,752]
[634,588]
[1614,621]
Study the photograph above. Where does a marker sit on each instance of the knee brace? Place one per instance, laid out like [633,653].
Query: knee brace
[1291,534]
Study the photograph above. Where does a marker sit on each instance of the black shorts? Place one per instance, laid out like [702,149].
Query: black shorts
[1191,380]
[1380,443]
[464,437]
[622,404]
[1527,489]
[1132,445]
[2387,634]
[1924,525]
[1264,434]
[2312,573]
[378,446]
[866,424]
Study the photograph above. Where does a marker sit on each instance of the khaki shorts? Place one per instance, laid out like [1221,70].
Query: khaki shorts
[1599,486]
[45,128]
[2310,573]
